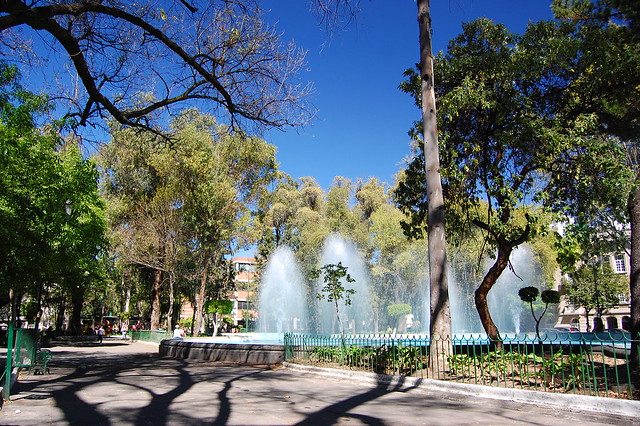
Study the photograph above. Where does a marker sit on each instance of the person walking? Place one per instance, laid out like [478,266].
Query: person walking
[100,333]
[123,329]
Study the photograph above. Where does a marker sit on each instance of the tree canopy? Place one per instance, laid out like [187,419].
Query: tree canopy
[131,61]
[51,215]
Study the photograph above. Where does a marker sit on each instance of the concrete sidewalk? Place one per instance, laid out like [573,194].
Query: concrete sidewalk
[120,383]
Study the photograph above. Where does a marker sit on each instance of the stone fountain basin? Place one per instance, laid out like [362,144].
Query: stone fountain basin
[247,349]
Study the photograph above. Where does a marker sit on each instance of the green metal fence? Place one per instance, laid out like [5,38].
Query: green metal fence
[25,347]
[580,363]
[155,336]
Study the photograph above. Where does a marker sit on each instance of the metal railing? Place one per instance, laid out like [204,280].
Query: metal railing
[580,363]
[155,336]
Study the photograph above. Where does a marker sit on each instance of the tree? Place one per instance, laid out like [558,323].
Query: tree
[145,227]
[134,59]
[439,285]
[51,215]
[186,207]
[399,311]
[530,294]
[594,287]
[334,290]
[607,83]
[215,308]
[502,134]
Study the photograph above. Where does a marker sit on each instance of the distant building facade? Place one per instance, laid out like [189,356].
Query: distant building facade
[244,303]
[618,317]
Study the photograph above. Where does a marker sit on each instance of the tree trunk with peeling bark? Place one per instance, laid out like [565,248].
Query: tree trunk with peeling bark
[482,292]
[155,299]
[199,305]
[440,325]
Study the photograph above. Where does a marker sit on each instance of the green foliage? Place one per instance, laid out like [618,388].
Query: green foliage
[594,286]
[550,296]
[568,371]
[398,309]
[333,289]
[528,294]
[51,215]
[186,323]
[395,359]
[222,307]
[30,310]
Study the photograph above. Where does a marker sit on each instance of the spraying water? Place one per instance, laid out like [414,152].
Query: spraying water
[505,305]
[282,296]
[357,317]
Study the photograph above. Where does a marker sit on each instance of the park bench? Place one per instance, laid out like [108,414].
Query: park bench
[40,364]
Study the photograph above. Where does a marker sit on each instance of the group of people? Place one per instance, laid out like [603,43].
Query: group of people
[107,328]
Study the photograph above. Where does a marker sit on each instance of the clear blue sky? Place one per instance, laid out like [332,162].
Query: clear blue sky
[363,119]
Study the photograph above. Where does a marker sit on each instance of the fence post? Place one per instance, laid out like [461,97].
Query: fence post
[9,367]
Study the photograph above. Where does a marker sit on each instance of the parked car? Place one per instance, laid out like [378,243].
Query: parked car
[570,329]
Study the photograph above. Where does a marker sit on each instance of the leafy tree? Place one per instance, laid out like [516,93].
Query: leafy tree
[333,289]
[179,211]
[607,83]
[503,137]
[145,226]
[215,308]
[399,311]
[134,59]
[50,212]
[594,287]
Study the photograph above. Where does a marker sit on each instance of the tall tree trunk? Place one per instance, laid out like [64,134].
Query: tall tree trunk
[39,311]
[62,307]
[482,292]
[440,326]
[126,294]
[155,299]
[634,284]
[77,299]
[172,280]
[198,309]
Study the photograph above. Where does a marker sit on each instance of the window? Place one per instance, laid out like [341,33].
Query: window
[625,299]
[245,267]
[620,264]
[243,304]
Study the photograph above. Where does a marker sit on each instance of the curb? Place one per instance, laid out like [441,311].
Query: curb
[594,404]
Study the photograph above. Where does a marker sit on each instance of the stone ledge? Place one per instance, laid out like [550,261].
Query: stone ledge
[241,353]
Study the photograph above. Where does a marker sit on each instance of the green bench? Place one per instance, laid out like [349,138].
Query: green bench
[40,364]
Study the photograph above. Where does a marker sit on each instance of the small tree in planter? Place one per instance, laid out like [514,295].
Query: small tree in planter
[530,294]
[333,289]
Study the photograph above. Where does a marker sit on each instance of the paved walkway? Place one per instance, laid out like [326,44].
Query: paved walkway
[120,383]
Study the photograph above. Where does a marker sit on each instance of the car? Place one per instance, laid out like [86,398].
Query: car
[569,329]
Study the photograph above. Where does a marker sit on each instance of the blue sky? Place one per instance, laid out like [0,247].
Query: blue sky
[363,119]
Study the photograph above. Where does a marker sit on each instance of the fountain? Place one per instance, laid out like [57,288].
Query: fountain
[282,295]
[285,305]
[357,316]
[504,303]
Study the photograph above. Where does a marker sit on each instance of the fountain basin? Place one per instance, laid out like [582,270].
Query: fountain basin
[247,349]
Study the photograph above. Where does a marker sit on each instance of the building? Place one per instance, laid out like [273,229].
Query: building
[615,318]
[244,304]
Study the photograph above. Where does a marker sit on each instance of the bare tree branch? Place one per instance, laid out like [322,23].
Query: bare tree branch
[221,53]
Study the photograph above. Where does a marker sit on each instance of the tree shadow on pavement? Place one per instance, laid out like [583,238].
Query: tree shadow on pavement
[332,413]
